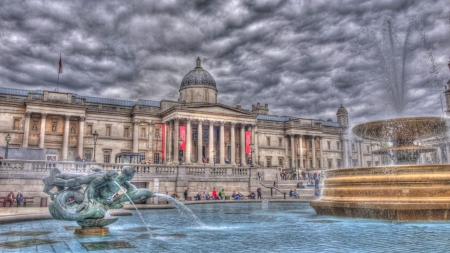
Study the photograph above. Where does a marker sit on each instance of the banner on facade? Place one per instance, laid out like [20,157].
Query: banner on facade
[248,140]
[183,136]
[163,142]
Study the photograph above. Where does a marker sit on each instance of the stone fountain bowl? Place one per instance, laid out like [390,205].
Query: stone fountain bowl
[401,130]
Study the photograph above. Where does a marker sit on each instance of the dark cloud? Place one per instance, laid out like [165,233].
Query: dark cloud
[303,58]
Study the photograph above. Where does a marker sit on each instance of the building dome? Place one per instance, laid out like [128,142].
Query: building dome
[198,77]
[341,110]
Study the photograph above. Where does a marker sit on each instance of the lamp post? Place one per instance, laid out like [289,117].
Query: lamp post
[252,150]
[157,140]
[214,157]
[180,141]
[8,139]
[95,135]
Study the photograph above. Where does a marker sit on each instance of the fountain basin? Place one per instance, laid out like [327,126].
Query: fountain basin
[403,192]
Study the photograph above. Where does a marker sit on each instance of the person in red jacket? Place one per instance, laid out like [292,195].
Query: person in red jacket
[214,194]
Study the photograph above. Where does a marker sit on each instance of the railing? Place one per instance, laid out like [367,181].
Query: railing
[271,190]
[43,168]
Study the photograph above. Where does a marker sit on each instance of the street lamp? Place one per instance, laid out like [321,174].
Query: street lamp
[95,135]
[252,150]
[214,157]
[180,141]
[8,139]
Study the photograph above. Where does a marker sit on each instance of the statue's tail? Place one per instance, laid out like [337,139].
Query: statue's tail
[64,207]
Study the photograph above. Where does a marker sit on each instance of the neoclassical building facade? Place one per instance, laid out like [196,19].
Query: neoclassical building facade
[196,129]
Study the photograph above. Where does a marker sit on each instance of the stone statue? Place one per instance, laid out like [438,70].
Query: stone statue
[89,208]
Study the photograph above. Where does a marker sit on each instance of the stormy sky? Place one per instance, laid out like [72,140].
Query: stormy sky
[303,58]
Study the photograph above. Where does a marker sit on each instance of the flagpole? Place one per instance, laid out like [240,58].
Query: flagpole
[59,68]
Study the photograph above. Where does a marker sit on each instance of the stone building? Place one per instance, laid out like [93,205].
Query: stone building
[196,129]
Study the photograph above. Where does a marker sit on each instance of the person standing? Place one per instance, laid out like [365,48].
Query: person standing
[186,194]
[10,198]
[259,192]
[19,198]
[214,194]
[222,194]
[316,182]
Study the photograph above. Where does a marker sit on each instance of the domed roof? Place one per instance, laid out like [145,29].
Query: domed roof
[341,110]
[198,76]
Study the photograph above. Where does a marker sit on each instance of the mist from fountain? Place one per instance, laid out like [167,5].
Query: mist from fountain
[396,63]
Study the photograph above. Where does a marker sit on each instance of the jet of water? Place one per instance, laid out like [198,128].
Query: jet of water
[184,211]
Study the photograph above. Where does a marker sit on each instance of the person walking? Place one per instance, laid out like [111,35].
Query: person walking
[10,198]
[186,194]
[259,192]
[19,198]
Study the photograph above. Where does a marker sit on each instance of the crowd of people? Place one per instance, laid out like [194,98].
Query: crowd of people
[220,195]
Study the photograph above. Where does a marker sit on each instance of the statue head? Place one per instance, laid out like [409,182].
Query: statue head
[54,172]
[128,173]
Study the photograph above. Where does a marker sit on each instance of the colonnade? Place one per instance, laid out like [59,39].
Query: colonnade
[297,152]
[66,133]
[211,139]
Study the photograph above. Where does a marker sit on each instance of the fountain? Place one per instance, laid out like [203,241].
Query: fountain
[406,190]
[90,208]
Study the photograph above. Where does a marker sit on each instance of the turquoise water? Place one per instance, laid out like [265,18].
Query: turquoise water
[239,227]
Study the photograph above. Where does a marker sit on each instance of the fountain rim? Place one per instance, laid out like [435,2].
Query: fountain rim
[395,120]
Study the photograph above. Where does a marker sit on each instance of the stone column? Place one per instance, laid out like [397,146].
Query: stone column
[135,136]
[222,143]
[300,153]
[81,136]
[65,146]
[242,144]
[169,142]
[26,129]
[308,154]
[314,152]
[292,151]
[176,136]
[166,140]
[321,152]
[211,142]
[344,152]
[233,145]
[42,130]
[150,141]
[188,141]
[200,141]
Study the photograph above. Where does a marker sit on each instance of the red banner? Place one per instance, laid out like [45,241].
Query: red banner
[183,136]
[248,140]
[163,142]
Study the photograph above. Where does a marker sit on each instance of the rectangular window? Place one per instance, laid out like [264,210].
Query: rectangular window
[268,141]
[353,146]
[339,163]
[290,163]
[368,149]
[143,130]
[310,144]
[330,163]
[106,156]
[269,161]
[142,156]
[310,163]
[280,162]
[338,146]
[126,132]
[329,144]
[108,130]
[88,154]
[156,158]
[16,124]
[89,129]
[377,163]
[369,163]
[280,142]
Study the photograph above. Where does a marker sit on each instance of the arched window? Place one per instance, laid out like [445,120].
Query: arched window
[192,96]
[206,96]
